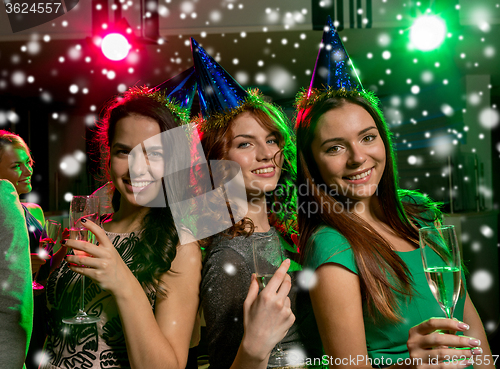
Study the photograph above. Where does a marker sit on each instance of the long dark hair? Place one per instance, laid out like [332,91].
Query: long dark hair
[281,203]
[375,259]
[156,249]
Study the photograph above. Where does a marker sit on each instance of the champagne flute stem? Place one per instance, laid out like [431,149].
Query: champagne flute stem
[279,349]
[82,299]
[36,275]
[449,313]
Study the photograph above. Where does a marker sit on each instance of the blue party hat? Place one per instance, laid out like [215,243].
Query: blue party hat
[333,68]
[180,89]
[218,91]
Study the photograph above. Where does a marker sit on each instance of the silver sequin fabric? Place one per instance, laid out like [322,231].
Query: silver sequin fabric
[227,270]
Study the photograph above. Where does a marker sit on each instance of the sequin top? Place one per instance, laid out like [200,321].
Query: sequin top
[92,346]
[226,277]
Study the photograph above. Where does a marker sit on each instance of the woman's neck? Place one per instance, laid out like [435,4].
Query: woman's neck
[126,219]
[257,212]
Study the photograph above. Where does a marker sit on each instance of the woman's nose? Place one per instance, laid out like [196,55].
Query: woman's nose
[137,164]
[357,156]
[265,153]
[27,170]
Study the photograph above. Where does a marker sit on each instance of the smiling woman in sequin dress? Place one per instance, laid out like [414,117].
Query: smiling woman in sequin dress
[243,325]
[142,284]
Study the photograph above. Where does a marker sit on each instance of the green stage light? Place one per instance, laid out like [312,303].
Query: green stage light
[428,32]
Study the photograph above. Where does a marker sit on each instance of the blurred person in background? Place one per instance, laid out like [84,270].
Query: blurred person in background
[16,166]
[16,296]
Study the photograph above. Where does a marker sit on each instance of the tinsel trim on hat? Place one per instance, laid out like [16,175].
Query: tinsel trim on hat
[162,97]
[306,98]
[222,119]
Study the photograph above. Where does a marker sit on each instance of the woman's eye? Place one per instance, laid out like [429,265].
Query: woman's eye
[369,138]
[272,141]
[155,154]
[122,152]
[333,149]
[243,145]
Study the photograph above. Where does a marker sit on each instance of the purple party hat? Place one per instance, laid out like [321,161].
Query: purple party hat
[333,68]
[180,89]
[218,91]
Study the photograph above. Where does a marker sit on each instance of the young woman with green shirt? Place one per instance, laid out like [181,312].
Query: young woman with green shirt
[359,232]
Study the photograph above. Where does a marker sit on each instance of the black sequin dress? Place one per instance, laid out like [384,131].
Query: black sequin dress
[91,346]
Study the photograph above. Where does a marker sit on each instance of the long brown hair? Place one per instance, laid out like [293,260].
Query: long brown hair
[157,246]
[382,272]
[216,143]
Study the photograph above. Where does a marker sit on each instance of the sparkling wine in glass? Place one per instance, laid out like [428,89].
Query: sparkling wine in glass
[263,280]
[81,234]
[48,239]
[268,256]
[442,265]
[83,207]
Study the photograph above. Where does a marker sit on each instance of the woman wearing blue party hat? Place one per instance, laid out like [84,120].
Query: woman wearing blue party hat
[243,325]
[142,284]
[372,301]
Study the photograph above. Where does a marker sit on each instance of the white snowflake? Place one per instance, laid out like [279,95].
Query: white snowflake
[481,280]
[306,279]
[486,231]
[229,269]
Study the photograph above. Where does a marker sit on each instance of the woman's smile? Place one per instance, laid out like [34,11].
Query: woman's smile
[255,148]
[349,151]
[136,170]
[265,172]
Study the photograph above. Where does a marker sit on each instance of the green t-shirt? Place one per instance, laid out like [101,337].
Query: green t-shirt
[385,341]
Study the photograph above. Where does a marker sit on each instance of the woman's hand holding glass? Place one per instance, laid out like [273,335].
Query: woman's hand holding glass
[435,341]
[429,346]
[267,315]
[104,264]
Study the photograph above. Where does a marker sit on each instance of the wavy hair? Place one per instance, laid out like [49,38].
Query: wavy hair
[382,272]
[156,249]
[281,203]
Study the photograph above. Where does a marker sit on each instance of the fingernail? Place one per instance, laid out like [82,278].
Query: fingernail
[477,351]
[63,242]
[83,220]
[474,343]
[463,326]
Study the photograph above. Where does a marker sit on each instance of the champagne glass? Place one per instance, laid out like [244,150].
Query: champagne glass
[82,207]
[268,256]
[442,265]
[48,239]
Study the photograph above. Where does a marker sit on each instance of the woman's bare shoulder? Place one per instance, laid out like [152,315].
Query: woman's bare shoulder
[35,210]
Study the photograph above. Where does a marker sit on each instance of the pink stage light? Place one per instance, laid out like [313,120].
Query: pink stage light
[115,46]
